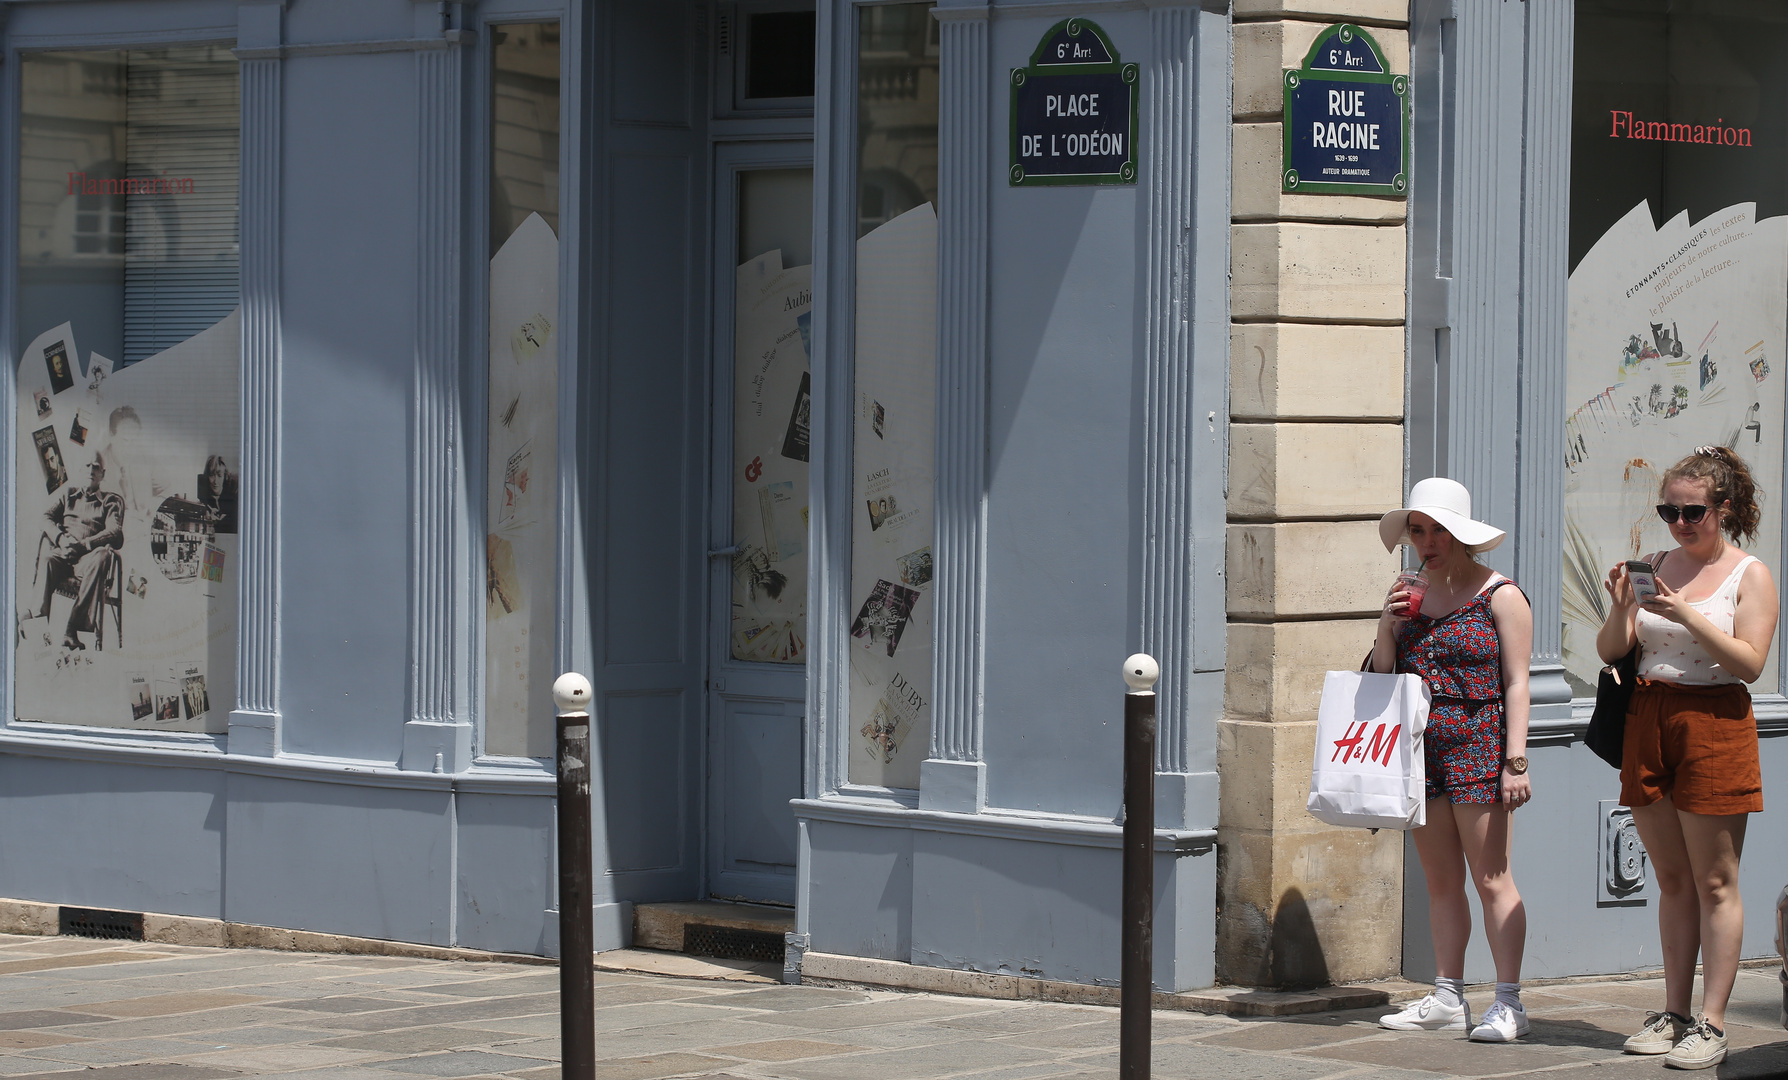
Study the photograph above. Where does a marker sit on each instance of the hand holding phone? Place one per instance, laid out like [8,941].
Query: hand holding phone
[1644,579]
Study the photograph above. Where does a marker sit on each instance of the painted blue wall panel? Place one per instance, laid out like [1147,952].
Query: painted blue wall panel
[1192,947]
[339,858]
[349,311]
[199,18]
[505,887]
[651,449]
[1064,449]
[1556,863]
[1049,910]
[645,810]
[102,834]
[865,875]
[351,20]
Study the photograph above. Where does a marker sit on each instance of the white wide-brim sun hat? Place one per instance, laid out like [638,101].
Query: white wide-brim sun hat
[1447,502]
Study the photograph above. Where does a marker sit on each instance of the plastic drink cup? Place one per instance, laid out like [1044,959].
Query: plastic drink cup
[1413,583]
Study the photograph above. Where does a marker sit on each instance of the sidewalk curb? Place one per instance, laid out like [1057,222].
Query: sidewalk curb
[830,969]
[44,920]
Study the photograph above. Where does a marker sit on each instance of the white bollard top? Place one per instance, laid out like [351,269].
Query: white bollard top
[571,692]
[1141,671]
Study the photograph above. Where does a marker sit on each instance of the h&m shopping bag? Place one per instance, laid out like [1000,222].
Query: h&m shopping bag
[1369,769]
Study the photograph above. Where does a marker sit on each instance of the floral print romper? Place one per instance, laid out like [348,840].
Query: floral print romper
[1460,658]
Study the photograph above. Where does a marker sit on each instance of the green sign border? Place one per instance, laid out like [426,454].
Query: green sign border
[1291,183]
[1130,73]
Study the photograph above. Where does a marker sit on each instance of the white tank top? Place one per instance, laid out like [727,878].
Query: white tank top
[1668,652]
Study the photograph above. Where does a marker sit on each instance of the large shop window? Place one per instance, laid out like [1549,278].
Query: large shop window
[1678,276]
[521,485]
[127,421]
[896,389]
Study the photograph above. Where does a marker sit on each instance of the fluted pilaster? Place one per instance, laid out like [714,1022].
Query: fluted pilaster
[254,723]
[1545,316]
[1481,377]
[1169,155]
[954,777]
[440,599]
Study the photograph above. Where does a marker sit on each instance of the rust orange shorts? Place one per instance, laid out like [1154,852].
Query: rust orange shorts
[1696,744]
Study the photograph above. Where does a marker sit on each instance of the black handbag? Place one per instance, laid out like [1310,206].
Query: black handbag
[1608,724]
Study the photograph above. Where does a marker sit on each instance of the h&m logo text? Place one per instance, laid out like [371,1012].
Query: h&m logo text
[1379,748]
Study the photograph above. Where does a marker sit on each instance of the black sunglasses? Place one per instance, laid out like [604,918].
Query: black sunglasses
[1693,513]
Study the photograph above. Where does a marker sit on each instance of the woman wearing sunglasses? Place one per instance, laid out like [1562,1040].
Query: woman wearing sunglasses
[1690,770]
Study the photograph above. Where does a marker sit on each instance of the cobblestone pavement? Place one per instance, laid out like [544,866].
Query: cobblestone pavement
[76,1009]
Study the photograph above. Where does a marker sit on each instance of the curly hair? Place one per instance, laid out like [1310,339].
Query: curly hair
[1728,478]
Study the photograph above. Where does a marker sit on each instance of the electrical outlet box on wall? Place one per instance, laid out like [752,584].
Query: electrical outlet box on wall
[1621,871]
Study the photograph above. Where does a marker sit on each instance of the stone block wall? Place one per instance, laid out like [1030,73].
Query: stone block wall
[1318,301]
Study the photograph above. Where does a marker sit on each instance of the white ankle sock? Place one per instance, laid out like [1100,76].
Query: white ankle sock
[1450,992]
[1509,994]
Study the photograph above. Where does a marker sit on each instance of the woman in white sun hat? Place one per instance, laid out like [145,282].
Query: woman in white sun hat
[1470,640]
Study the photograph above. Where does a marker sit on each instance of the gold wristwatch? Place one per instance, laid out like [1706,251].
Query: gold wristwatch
[1516,765]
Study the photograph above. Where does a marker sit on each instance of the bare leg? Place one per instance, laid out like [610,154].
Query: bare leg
[1714,845]
[1443,864]
[1484,834]
[1679,908]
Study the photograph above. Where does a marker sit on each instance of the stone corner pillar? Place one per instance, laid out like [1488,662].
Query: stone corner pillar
[1314,458]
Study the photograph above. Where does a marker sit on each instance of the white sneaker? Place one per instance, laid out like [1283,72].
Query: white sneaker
[1660,1034]
[1429,1014]
[1502,1023]
[1701,1048]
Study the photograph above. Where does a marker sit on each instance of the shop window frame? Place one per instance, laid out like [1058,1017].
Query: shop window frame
[572,649]
[66,31]
[1508,450]
[826,769]
[730,52]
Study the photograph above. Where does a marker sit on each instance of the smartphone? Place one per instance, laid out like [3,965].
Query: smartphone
[1644,579]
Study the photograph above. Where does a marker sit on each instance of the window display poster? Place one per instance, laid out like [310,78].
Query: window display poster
[126,570]
[1678,294]
[892,511]
[521,494]
[771,403]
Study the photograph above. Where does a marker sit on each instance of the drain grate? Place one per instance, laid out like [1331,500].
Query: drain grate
[732,943]
[99,923]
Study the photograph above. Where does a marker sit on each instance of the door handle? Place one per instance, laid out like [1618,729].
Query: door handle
[724,553]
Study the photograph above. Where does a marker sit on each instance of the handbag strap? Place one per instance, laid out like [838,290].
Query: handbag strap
[1396,662]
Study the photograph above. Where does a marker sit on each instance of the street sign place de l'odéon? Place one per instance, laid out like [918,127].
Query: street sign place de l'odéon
[1346,120]
[1074,111]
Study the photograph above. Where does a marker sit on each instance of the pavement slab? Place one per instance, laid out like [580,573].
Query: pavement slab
[141,1011]
[36,1018]
[167,1004]
[251,1035]
[139,1072]
[785,1050]
[1446,1053]
[910,1064]
[216,1020]
[32,1040]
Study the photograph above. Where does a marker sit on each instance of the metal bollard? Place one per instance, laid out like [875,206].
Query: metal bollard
[577,971]
[1138,984]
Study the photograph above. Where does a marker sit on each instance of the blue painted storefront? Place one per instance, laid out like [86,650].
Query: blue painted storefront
[1082,350]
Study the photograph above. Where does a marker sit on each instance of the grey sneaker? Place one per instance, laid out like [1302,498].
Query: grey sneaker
[1701,1048]
[1661,1033]
[1428,1014]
